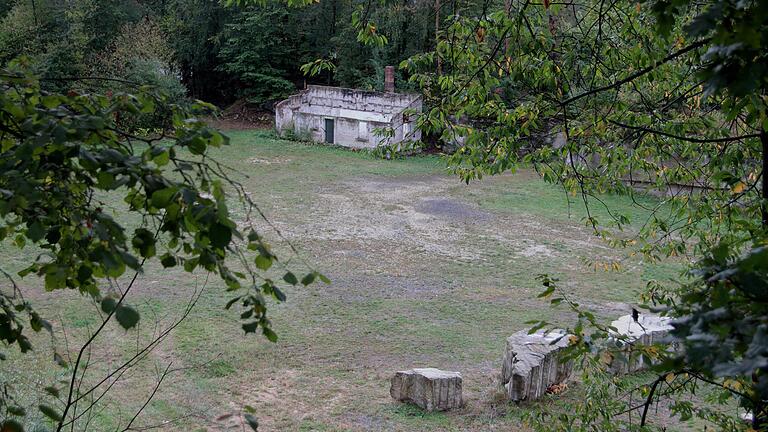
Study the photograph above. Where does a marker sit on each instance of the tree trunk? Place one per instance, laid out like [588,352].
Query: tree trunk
[437,38]
[764,207]
[507,8]
[759,415]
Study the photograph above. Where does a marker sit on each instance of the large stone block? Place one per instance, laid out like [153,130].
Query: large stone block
[531,364]
[431,389]
[647,330]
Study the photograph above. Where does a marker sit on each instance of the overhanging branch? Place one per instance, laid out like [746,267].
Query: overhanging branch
[639,73]
[684,138]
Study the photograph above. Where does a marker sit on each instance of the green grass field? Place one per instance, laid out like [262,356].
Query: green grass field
[425,270]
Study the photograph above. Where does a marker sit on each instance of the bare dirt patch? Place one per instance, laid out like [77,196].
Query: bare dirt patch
[262,161]
[452,209]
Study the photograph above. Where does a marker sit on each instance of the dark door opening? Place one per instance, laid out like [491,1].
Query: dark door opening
[329,131]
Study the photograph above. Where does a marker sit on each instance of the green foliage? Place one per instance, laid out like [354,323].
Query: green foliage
[722,324]
[92,39]
[663,97]
[260,50]
[250,418]
[69,148]
[62,39]
[19,32]
[367,33]
[221,50]
[318,66]
[61,154]
[736,58]
[196,26]
[560,98]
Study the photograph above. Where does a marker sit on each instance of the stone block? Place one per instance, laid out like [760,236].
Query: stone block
[647,330]
[531,364]
[429,388]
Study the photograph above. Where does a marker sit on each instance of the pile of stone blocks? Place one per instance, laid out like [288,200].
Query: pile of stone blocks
[429,388]
[532,364]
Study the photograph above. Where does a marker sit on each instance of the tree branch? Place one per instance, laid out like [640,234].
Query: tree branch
[684,138]
[639,73]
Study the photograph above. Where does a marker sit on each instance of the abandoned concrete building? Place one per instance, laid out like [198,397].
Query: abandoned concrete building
[349,117]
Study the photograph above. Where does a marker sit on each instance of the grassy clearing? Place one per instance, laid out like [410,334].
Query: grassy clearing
[426,271]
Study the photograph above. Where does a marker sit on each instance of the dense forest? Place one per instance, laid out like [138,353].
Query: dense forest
[213,52]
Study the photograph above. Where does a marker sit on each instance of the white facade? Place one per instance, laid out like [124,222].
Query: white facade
[348,117]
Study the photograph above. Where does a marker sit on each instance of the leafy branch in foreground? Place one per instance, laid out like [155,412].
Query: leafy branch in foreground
[663,102]
[677,377]
[63,155]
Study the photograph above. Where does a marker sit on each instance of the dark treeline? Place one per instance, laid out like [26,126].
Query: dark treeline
[204,49]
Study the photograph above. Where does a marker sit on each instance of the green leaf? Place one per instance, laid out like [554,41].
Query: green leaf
[271,335]
[290,278]
[49,412]
[197,145]
[55,278]
[220,235]
[250,327]
[60,360]
[53,391]
[252,421]
[162,159]
[308,279]
[11,425]
[231,302]
[191,264]
[547,292]
[168,260]
[112,264]
[538,326]
[38,323]
[161,198]
[17,411]
[144,242]
[279,295]
[51,101]
[126,316]
[108,304]
[105,179]
[35,232]
[263,262]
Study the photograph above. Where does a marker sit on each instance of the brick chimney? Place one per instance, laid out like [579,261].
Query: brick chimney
[389,79]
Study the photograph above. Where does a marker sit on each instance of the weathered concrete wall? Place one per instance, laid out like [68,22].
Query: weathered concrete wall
[284,114]
[356,115]
[406,130]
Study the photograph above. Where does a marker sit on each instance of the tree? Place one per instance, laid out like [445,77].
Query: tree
[60,155]
[609,97]
[261,49]
[197,26]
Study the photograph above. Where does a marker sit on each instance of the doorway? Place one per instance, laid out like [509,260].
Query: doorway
[329,131]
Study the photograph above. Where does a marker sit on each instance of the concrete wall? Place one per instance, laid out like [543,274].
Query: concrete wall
[406,131]
[356,114]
